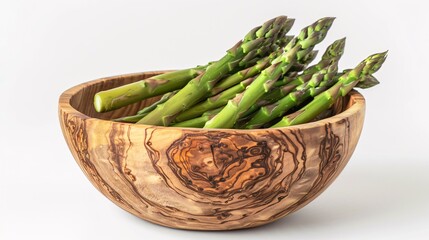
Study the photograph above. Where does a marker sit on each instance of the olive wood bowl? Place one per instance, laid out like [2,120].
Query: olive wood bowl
[205,179]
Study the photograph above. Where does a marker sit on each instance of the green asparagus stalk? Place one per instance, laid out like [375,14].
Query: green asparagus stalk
[130,119]
[368,82]
[231,112]
[199,87]
[327,98]
[222,98]
[140,114]
[219,100]
[364,82]
[239,76]
[270,112]
[256,69]
[255,56]
[118,97]
[278,93]
[127,94]
[307,38]
[163,99]
[290,76]
[283,91]
[332,53]
[305,61]
[199,121]
[331,56]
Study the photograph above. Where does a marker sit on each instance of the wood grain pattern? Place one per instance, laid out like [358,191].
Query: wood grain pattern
[206,179]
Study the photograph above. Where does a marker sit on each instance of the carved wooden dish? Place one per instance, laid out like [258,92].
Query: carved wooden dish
[205,179]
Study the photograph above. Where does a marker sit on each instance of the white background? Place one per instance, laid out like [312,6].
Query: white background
[49,46]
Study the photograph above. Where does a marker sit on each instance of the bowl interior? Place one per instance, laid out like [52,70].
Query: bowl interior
[82,100]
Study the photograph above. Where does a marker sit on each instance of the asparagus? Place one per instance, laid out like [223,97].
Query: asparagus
[256,69]
[140,114]
[219,100]
[239,76]
[266,99]
[307,38]
[198,87]
[270,112]
[254,56]
[222,98]
[278,93]
[199,121]
[364,82]
[118,97]
[211,104]
[331,56]
[301,65]
[163,99]
[130,119]
[332,53]
[367,82]
[327,98]
[127,94]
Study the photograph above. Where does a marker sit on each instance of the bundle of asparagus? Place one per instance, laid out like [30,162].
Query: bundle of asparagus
[262,81]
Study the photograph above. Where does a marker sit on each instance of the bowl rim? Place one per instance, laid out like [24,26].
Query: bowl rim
[64,105]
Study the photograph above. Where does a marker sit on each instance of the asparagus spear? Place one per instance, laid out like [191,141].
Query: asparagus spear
[301,65]
[219,100]
[130,119]
[327,98]
[127,94]
[367,81]
[163,99]
[198,87]
[270,112]
[199,121]
[332,53]
[307,38]
[255,55]
[121,96]
[210,103]
[331,56]
[140,114]
[239,76]
[257,68]
[277,94]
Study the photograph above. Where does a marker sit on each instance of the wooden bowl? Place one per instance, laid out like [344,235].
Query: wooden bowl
[205,179]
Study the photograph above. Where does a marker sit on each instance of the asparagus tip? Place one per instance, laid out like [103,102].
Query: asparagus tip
[368,82]
[342,41]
